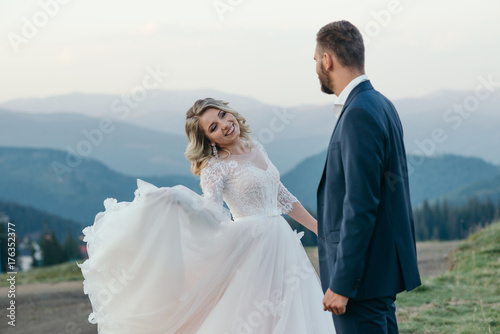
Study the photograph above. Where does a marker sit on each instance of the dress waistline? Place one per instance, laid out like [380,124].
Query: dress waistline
[269,213]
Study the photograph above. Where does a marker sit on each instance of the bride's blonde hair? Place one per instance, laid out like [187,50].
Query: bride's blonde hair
[199,150]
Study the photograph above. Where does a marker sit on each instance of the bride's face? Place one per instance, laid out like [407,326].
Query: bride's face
[219,126]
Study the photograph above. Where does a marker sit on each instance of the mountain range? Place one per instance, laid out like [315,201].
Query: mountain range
[65,154]
[148,138]
[27,177]
[32,222]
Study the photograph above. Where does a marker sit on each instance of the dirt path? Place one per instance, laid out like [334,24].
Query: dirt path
[433,256]
[62,308]
[48,308]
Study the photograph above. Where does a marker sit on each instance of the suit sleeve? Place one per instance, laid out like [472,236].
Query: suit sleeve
[362,152]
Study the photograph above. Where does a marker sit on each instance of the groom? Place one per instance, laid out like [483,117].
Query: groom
[366,238]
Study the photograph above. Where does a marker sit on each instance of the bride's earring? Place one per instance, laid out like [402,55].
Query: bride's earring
[214,150]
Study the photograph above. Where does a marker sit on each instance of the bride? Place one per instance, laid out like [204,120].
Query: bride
[172,261]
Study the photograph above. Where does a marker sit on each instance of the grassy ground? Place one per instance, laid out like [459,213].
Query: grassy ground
[463,300]
[67,271]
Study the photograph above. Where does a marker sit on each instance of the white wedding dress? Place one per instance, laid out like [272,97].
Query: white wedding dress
[172,261]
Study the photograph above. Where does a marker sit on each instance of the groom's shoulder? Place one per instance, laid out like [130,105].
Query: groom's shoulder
[366,99]
[371,105]
[365,89]
[370,98]
[360,93]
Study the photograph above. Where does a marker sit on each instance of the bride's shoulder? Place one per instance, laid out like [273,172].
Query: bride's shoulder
[214,165]
[212,162]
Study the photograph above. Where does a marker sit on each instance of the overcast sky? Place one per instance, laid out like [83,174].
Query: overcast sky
[259,48]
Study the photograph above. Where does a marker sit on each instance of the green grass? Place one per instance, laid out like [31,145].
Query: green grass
[464,300]
[67,271]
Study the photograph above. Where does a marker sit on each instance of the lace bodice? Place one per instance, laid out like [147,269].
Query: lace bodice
[248,183]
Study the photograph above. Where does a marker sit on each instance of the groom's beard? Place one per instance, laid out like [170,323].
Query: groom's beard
[325,81]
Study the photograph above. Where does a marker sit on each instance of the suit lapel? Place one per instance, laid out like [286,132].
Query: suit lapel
[365,85]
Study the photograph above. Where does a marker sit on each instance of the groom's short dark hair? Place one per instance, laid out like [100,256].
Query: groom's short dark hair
[345,41]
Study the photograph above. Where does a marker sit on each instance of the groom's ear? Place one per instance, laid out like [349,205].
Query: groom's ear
[328,61]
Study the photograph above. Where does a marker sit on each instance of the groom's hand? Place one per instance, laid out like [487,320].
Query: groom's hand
[334,303]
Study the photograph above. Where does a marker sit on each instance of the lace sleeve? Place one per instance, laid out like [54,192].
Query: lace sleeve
[212,181]
[285,199]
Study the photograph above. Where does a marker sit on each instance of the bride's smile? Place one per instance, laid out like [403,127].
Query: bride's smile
[231,130]
[222,128]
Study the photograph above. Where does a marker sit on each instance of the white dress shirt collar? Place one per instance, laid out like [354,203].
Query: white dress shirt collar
[341,99]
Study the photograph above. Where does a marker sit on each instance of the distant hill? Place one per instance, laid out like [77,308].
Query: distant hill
[27,177]
[303,180]
[472,132]
[33,222]
[438,176]
[135,150]
[130,149]
[162,110]
[432,178]
[481,190]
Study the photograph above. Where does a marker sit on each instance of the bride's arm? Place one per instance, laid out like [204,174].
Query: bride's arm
[300,214]
[291,206]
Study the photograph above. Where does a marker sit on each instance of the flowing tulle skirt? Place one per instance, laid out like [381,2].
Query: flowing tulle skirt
[172,261]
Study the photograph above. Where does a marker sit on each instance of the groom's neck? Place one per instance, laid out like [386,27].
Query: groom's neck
[344,77]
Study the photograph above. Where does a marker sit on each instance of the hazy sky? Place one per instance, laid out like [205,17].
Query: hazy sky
[259,48]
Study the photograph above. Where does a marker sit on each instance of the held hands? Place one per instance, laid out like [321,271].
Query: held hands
[334,303]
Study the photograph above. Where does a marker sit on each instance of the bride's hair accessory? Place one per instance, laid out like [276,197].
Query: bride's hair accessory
[214,150]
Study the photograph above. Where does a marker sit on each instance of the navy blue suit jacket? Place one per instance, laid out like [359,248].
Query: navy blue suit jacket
[366,238]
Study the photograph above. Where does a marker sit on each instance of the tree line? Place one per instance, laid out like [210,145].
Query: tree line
[443,221]
[53,251]
[45,251]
